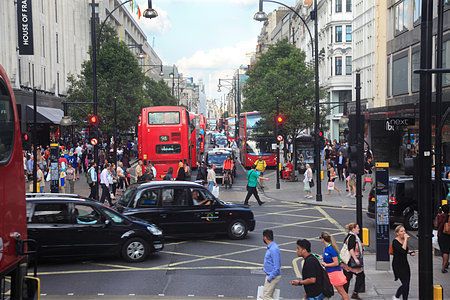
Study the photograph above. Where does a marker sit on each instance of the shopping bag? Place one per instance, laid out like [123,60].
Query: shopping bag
[260,293]
[330,185]
[368,179]
[215,191]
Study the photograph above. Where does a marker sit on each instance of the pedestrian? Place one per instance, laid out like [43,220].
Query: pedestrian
[181,174]
[202,172]
[169,174]
[356,263]
[368,167]
[104,183]
[187,170]
[40,179]
[332,264]
[138,172]
[442,220]
[72,159]
[70,178]
[308,182]
[114,178]
[351,184]
[312,272]
[272,265]
[122,184]
[151,166]
[340,162]
[211,177]
[91,177]
[62,181]
[253,176]
[331,180]
[260,166]
[400,264]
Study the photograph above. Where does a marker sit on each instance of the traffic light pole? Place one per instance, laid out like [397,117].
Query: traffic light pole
[94,82]
[34,141]
[278,145]
[360,152]
[317,104]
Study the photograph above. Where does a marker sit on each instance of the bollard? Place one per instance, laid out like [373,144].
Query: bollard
[444,202]
[366,237]
[438,293]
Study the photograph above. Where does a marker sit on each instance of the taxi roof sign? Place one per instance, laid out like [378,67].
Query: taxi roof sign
[381,165]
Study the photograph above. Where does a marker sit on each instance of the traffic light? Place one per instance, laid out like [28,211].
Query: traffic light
[279,119]
[93,120]
[26,141]
[353,158]
[93,136]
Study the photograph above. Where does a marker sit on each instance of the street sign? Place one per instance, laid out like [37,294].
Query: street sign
[25,27]
[280,138]
[382,215]
[393,124]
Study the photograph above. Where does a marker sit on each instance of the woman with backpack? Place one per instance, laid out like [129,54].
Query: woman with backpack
[332,264]
[355,264]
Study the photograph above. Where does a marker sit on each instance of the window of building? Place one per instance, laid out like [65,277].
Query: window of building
[399,69]
[20,71]
[43,41]
[338,34]
[446,61]
[57,83]
[348,6]
[57,48]
[44,79]
[417,10]
[29,73]
[415,64]
[338,65]
[402,18]
[348,65]
[338,6]
[56,11]
[388,89]
[348,33]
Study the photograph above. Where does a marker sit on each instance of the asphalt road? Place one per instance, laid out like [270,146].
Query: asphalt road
[209,267]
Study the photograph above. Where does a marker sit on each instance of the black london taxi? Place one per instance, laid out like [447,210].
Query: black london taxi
[184,208]
[217,157]
[70,226]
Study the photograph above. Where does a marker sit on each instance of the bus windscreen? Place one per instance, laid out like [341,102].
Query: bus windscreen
[164,118]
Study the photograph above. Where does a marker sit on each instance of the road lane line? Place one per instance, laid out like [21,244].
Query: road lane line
[298,223]
[330,219]
[114,266]
[203,256]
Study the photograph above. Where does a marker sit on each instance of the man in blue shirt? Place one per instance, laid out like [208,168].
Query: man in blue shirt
[272,265]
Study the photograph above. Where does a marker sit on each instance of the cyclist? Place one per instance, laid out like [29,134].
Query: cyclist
[260,166]
[228,166]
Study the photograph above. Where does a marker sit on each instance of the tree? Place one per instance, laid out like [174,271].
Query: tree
[158,93]
[118,76]
[282,73]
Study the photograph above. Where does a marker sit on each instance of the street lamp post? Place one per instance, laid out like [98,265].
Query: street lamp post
[262,16]
[161,72]
[149,13]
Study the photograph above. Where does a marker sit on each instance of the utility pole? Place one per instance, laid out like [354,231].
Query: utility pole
[35,140]
[278,143]
[424,156]
[360,151]
[317,97]
[238,106]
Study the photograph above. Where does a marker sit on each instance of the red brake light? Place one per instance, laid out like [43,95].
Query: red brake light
[392,200]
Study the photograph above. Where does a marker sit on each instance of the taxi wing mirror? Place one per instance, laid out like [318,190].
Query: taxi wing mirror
[107,223]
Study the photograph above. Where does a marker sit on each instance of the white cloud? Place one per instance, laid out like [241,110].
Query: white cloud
[212,64]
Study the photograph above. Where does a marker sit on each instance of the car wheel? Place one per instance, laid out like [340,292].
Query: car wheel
[135,250]
[412,220]
[237,230]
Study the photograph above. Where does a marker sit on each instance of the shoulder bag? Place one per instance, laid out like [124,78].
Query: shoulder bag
[344,253]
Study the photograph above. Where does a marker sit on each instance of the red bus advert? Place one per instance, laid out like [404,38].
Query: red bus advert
[254,144]
[164,137]
[231,129]
[13,218]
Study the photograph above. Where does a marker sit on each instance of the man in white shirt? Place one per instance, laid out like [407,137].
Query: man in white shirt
[104,183]
[152,167]
[211,178]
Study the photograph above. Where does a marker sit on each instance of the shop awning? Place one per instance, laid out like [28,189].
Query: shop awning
[45,114]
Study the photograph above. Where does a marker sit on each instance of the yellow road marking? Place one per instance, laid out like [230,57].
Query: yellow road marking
[330,219]
[298,223]
[115,266]
[223,259]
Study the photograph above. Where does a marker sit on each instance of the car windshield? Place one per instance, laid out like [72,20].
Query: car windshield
[127,196]
[217,159]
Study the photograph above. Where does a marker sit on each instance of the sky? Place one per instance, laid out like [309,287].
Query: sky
[206,39]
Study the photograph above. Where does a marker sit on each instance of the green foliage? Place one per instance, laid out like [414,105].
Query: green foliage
[158,93]
[118,76]
[281,73]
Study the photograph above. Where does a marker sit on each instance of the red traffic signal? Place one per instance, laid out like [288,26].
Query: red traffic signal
[320,133]
[280,119]
[94,120]
[25,137]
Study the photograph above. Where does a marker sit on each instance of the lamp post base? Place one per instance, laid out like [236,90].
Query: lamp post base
[319,197]
[278,186]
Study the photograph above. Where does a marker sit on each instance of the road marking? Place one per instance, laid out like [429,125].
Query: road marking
[298,223]
[175,243]
[202,256]
[132,295]
[100,294]
[220,296]
[70,294]
[43,295]
[114,266]
[161,295]
[191,295]
[330,219]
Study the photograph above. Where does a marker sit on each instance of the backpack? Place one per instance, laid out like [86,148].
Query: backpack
[327,287]
[88,177]
[344,254]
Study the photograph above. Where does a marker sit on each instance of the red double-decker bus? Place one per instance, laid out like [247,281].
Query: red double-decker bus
[164,137]
[13,218]
[254,144]
[194,144]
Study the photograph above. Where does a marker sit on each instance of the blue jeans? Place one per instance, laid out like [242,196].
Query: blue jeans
[320,297]
[210,186]
[41,189]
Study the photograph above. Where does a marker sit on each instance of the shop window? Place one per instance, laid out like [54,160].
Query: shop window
[399,69]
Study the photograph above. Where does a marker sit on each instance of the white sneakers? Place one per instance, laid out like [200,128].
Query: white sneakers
[395,298]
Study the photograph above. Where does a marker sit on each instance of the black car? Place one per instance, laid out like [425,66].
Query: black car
[185,208]
[76,227]
[217,157]
[403,205]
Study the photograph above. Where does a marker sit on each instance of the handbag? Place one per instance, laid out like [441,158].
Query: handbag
[311,183]
[344,253]
[446,228]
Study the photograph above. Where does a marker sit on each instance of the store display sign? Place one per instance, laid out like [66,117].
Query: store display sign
[25,27]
